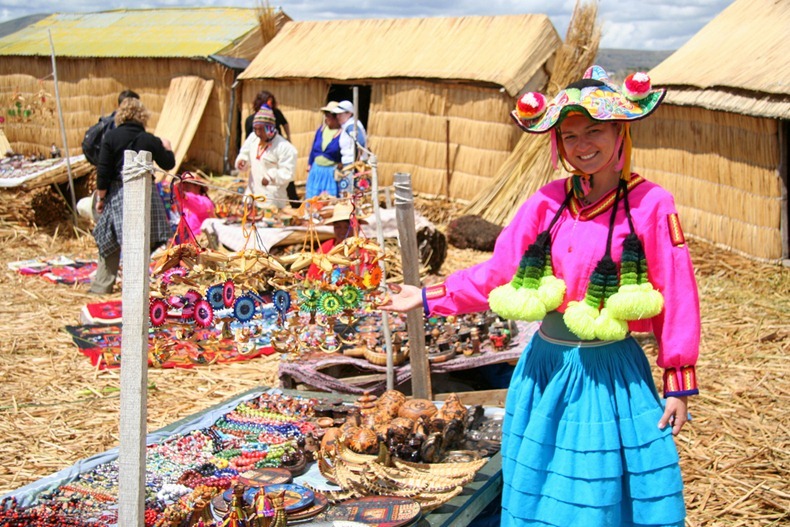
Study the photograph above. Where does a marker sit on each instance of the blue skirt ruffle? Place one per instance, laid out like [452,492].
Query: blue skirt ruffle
[320,179]
[581,444]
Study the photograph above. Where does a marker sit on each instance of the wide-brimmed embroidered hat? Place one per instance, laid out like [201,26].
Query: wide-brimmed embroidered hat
[594,95]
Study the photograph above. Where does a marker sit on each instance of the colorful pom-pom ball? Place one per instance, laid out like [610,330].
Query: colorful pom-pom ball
[637,86]
[580,319]
[531,105]
[608,327]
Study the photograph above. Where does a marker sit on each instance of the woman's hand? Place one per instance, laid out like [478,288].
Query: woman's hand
[100,197]
[675,414]
[403,298]
[241,164]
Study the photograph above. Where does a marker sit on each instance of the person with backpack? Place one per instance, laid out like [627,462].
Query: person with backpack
[91,142]
[129,134]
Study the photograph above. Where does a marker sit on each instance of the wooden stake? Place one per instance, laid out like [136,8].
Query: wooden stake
[407,234]
[137,172]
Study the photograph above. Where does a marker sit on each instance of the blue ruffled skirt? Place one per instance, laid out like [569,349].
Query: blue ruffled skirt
[320,179]
[580,442]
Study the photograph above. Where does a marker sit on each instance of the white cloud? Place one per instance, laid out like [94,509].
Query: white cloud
[633,24]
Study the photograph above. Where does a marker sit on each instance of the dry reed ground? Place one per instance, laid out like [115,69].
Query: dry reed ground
[56,409]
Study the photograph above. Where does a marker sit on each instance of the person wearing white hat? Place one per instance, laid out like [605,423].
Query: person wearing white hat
[332,149]
[349,123]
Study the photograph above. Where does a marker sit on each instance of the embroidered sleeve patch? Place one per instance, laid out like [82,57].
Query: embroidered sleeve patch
[435,291]
[675,231]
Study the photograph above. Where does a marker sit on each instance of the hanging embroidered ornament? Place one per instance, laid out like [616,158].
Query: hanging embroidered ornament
[215,296]
[244,308]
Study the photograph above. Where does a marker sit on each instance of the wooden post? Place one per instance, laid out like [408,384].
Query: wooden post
[784,182]
[134,346]
[385,317]
[447,156]
[407,234]
[67,155]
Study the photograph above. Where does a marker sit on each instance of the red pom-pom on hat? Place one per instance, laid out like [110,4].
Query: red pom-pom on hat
[531,105]
[637,86]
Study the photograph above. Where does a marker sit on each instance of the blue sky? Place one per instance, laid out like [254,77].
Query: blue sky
[628,24]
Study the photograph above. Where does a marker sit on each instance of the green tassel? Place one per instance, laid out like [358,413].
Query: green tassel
[533,290]
[551,289]
[580,316]
[636,299]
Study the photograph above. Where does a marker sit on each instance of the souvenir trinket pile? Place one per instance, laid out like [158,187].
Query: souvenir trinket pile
[197,288]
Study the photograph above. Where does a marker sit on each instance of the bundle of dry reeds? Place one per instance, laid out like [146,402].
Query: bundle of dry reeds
[267,21]
[529,166]
[41,206]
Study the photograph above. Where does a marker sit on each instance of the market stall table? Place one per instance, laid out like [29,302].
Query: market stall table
[235,237]
[319,371]
[458,512]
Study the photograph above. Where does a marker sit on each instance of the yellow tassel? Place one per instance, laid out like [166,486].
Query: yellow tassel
[500,300]
[610,328]
[531,307]
[551,292]
[580,319]
[635,302]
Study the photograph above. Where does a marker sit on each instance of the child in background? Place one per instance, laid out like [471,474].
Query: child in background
[193,204]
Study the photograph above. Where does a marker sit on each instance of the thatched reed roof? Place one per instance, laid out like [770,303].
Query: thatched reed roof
[738,62]
[149,33]
[503,50]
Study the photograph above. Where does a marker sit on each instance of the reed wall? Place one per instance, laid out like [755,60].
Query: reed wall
[722,169]
[407,128]
[89,88]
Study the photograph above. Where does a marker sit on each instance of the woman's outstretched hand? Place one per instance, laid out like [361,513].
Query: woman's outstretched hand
[675,414]
[403,298]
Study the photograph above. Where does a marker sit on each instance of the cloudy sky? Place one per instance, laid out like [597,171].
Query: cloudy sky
[627,24]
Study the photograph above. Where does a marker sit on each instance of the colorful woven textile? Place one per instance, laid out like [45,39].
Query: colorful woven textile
[101,343]
[59,270]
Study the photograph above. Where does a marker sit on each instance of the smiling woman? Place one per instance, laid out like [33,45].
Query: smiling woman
[586,439]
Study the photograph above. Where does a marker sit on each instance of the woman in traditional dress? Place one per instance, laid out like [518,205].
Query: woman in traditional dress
[587,440]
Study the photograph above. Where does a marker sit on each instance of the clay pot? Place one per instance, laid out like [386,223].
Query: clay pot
[328,441]
[417,408]
[362,440]
[325,422]
[453,409]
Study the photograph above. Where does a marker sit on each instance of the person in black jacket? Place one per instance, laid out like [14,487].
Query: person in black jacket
[129,134]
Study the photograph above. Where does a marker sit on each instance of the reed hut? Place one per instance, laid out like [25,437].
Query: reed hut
[435,92]
[100,54]
[719,142]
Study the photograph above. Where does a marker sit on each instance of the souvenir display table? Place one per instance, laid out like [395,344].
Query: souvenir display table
[185,463]
[232,235]
[319,370]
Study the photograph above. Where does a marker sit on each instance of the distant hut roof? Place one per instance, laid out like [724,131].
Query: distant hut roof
[149,33]
[738,62]
[503,50]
